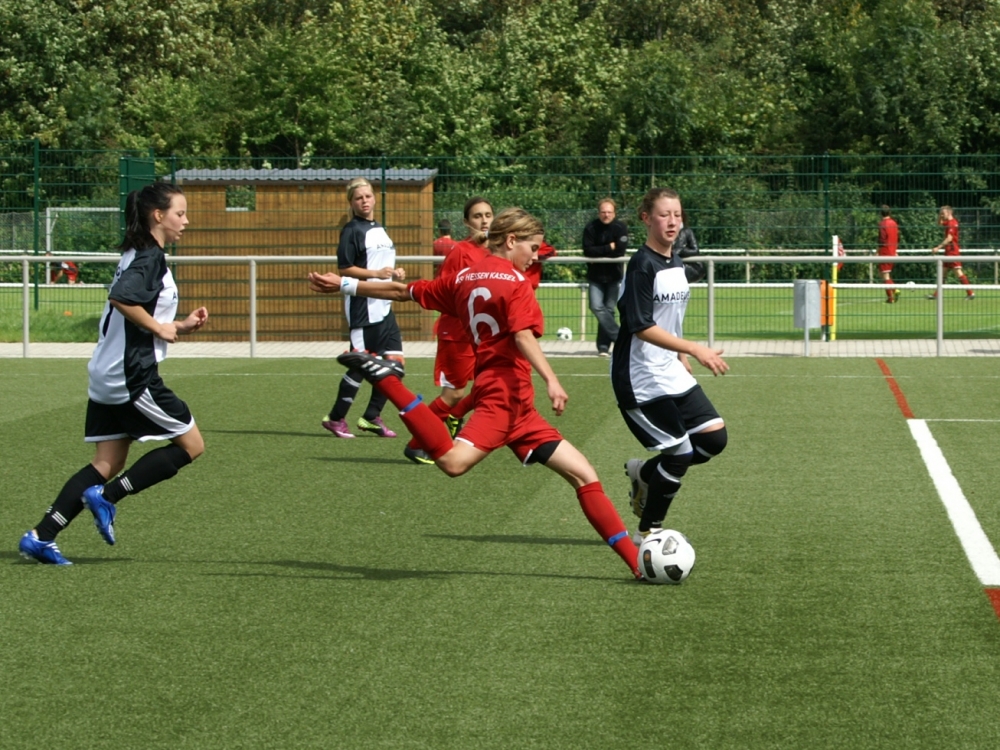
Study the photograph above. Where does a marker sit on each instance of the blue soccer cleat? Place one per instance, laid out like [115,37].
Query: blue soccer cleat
[31,548]
[104,512]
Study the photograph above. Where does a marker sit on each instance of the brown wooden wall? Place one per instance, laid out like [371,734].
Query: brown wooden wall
[292,219]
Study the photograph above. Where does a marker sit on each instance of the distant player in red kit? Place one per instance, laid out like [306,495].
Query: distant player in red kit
[534,272]
[455,360]
[888,241]
[946,218]
[498,304]
[444,243]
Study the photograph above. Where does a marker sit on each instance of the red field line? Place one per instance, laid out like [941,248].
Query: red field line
[992,594]
[894,387]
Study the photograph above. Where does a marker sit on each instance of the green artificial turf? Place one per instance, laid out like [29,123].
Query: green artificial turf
[292,590]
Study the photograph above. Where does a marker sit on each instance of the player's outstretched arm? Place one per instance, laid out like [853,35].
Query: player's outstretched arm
[709,358]
[528,345]
[331,283]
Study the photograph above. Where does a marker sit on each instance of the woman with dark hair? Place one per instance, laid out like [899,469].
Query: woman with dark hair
[497,305]
[455,359]
[366,252]
[127,398]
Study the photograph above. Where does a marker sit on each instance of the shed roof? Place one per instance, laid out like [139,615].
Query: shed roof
[237,176]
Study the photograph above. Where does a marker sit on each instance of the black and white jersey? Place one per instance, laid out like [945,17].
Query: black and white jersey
[126,356]
[365,244]
[655,291]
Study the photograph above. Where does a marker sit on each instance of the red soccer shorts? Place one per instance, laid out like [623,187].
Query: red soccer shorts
[454,364]
[505,414]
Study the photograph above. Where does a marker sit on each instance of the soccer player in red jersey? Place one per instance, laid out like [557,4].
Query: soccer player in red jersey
[444,243]
[946,218]
[455,360]
[888,241]
[495,300]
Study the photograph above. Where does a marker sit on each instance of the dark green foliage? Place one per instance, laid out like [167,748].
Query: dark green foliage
[310,78]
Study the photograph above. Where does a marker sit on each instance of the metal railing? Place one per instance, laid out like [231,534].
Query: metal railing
[710,285]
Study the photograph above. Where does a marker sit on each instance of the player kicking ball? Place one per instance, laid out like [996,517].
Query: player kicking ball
[497,303]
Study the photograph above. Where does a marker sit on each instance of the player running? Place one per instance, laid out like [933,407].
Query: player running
[660,400]
[497,303]
[128,400]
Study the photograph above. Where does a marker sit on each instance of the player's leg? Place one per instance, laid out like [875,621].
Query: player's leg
[103,428]
[963,279]
[660,426]
[157,414]
[336,420]
[564,459]
[890,293]
[385,374]
[663,476]
[385,340]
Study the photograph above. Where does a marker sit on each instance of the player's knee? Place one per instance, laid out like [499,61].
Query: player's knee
[674,465]
[708,445]
[452,466]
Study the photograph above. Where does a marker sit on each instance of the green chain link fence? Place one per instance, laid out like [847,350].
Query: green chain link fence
[66,202]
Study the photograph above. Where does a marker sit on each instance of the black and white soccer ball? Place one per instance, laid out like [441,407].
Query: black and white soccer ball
[564,334]
[666,556]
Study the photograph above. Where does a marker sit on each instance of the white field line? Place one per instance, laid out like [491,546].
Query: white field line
[982,556]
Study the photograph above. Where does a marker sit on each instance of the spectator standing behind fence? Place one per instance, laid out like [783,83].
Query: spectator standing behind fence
[605,237]
[686,246]
[888,241]
[366,252]
[443,244]
[127,398]
[946,218]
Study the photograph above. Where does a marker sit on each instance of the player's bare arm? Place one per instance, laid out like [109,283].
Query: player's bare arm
[331,283]
[528,345]
[711,359]
[192,322]
[137,315]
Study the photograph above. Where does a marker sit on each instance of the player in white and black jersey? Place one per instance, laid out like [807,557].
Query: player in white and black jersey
[662,403]
[128,400]
[366,252]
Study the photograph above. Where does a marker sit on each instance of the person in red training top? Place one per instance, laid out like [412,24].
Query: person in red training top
[444,243]
[68,269]
[534,272]
[455,360]
[498,304]
[946,218]
[888,241]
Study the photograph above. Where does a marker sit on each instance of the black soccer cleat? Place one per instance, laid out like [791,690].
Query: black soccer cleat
[371,367]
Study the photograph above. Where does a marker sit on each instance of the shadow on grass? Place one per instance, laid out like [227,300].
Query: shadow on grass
[279,433]
[357,572]
[518,539]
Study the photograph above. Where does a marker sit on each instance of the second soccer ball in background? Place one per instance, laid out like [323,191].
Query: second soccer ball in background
[564,334]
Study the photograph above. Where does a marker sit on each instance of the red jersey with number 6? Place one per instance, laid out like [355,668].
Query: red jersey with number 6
[494,301]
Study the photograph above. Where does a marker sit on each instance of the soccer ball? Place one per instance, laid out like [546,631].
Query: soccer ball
[564,334]
[666,556]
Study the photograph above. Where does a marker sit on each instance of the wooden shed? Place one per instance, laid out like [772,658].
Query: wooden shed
[287,212]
